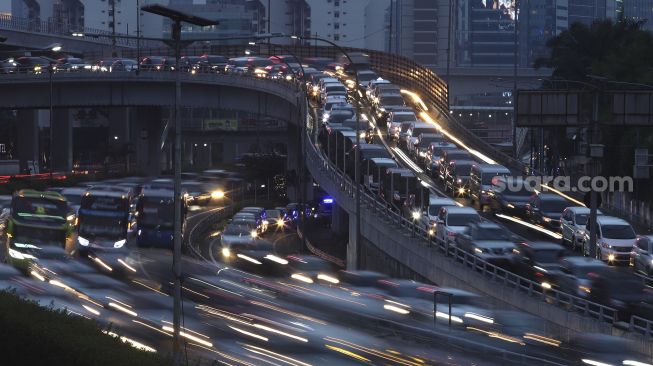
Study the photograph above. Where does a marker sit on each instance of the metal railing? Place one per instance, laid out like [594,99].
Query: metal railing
[10,22]
[373,205]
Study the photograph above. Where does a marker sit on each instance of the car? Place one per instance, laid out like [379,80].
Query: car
[8,66]
[622,291]
[575,277]
[414,131]
[189,63]
[641,258]
[395,118]
[537,261]
[212,63]
[360,278]
[339,116]
[124,64]
[252,254]
[544,209]
[449,155]
[572,223]
[234,234]
[310,269]
[480,181]
[509,195]
[599,349]
[250,219]
[615,239]
[433,153]
[430,217]
[365,76]
[487,241]
[153,63]
[387,103]
[456,178]
[418,147]
[34,64]
[102,65]
[198,193]
[452,220]
[260,214]
[71,64]
[276,218]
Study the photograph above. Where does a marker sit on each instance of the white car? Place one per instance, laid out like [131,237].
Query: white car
[572,224]
[453,221]
[615,239]
[430,217]
[395,119]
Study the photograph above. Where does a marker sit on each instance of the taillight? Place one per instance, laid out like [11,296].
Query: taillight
[451,234]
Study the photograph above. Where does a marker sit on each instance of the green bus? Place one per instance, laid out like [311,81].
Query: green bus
[36,219]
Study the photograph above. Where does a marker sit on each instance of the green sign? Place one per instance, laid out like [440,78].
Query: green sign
[221,124]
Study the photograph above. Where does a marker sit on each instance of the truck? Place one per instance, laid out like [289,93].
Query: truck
[36,219]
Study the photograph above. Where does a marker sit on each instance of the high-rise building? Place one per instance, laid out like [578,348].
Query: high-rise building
[237,18]
[351,23]
[108,16]
[415,30]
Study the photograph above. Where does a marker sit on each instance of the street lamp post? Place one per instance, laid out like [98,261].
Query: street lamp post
[177,18]
[357,151]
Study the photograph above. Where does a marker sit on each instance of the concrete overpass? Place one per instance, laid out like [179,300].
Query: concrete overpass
[141,104]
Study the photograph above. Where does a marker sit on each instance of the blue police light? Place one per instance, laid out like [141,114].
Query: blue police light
[327,200]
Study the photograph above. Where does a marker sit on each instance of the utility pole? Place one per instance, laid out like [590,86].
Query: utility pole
[138,36]
[514,84]
[112,3]
[176,18]
[390,28]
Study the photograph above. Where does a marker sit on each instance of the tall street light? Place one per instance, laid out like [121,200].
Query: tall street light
[357,151]
[177,17]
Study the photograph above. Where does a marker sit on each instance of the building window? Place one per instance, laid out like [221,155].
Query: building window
[336,3]
[336,37]
[336,14]
[336,25]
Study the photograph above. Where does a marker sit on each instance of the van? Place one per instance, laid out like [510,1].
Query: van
[615,239]
[480,181]
[449,155]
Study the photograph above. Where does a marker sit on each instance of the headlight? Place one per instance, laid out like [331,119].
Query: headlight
[71,217]
[510,205]
[217,194]
[82,241]
[254,234]
[610,257]
[280,222]
[16,254]
[546,219]
[226,252]
[546,285]
[119,243]
[328,278]
[606,245]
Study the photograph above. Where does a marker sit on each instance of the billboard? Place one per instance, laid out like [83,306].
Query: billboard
[543,108]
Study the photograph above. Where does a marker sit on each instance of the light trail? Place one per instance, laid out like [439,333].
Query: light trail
[517,220]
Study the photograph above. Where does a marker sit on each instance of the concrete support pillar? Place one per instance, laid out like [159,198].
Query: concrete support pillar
[147,139]
[120,134]
[62,140]
[27,133]
[339,220]
[293,161]
[352,245]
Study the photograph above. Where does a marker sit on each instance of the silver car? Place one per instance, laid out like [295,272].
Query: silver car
[641,258]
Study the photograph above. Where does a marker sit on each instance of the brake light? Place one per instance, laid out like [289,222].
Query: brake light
[451,234]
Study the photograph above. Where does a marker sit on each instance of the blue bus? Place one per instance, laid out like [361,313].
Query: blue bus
[155,218]
[106,220]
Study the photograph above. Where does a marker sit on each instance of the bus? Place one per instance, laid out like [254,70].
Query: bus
[155,218]
[35,219]
[105,220]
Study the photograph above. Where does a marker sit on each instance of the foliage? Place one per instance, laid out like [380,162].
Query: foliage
[619,51]
[34,335]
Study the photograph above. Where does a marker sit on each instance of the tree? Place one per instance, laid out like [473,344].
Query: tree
[620,51]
